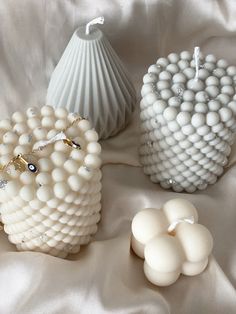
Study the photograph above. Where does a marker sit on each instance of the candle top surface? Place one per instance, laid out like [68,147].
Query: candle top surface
[94,34]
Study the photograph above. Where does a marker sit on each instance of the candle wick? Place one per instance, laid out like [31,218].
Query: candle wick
[174,224]
[97,20]
[196,59]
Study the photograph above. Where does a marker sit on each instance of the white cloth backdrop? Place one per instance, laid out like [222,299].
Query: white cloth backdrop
[105,277]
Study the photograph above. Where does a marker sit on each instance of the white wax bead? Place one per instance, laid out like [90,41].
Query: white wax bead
[60,146]
[198,119]
[203,130]
[188,95]
[91,136]
[20,128]
[185,144]
[214,105]
[183,64]
[4,160]
[47,111]
[40,133]
[51,133]
[84,125]
[183,118]
[18,117]
[27,193]
[162,62]
[211,58]
[94,148]
[186,55]
[195,85]
[212,118]
[201,107]
[189,72]
[187,106]
[212,80]
[226,80]
[173,57]
[150,111]
[163,253]
[172,68]
[33,123]
[224,99]
[59,174]
[166,94]
[170,113]
[25,139]
[61,189]
[71,166]
[149,78]
[12,188]
[154,69]
[72,131]
[78,155]
[151,98]
[92,161]
[58,158]
[85,172]
[195,240]
[27,177]
[229,90]
[163,85]
[173,126]
[179,136]
[43,178]
[61,113]
[225,114]
[36,204]
[231,70]
[21,149]
[179,78]
[10,138]
[48,122]
[201,96]
[165,131]
[188,129]
[75,182]
[203,74]
[222,63]
[32,112]
[45,164]
[45,193]
[146,89]
[61,124]
[209,66]
[212,91]
[219,72]
[232,106]
[5,124]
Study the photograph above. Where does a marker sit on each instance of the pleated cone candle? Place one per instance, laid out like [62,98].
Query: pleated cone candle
[91,80]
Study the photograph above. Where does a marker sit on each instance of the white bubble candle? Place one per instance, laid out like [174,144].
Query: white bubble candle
[188,120]
[171,242]
[50,196]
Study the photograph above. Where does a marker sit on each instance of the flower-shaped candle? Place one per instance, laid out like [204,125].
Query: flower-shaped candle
[171,242]
[49,180]
[188,114]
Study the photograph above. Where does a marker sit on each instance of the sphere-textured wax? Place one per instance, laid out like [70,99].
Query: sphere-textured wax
[187,120]
[56,209]
[171,241]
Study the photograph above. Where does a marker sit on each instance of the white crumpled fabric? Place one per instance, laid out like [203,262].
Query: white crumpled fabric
[105,277]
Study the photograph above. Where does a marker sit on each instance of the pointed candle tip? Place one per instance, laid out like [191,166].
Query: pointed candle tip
[97,20]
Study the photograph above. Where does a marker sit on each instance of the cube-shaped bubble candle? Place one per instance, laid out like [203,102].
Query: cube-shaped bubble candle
[50,180]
